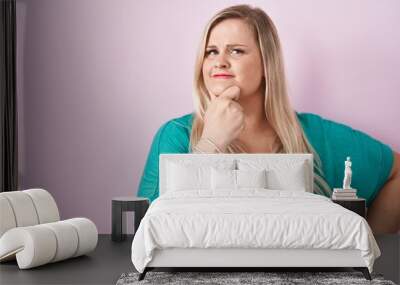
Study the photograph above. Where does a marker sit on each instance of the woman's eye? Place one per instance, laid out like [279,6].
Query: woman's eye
[237,51]
[233,51]
[209,52]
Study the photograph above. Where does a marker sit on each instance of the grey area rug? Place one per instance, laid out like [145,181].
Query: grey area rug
[226,278]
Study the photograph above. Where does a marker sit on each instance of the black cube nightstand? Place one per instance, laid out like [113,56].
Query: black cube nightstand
[356,205]
[126,204]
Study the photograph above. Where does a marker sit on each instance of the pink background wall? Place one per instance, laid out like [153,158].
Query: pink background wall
[96,78]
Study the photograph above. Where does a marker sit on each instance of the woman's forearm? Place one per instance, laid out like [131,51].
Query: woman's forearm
[384,214]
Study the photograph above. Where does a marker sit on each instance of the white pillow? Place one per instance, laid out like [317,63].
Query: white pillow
[251,178]
[223,179]
[288,179]
[281,175]
[185,175]
[236,179]
[182,177]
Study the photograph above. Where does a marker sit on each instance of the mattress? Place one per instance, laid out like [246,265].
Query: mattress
[250,219]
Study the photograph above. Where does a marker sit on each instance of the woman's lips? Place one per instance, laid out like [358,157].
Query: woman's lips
[222,76]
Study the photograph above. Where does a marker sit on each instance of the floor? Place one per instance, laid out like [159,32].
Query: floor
[111,259]
[103,266]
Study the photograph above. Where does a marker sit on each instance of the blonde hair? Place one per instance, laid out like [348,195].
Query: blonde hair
[278,111]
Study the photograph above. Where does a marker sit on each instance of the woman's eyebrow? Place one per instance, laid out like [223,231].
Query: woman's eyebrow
[232,45]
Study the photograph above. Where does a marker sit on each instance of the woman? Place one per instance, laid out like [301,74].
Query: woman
[242,106]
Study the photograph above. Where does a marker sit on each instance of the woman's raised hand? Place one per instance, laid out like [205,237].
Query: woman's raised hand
[224,118]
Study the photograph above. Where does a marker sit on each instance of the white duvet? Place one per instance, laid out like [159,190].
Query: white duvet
[251,218]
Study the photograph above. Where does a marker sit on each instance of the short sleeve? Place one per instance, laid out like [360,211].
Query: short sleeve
[386,159]
[172,137]
[372,160]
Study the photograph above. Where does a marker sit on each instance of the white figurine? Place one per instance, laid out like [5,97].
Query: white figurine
[347,174]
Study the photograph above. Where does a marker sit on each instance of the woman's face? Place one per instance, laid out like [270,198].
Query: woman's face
[232,50]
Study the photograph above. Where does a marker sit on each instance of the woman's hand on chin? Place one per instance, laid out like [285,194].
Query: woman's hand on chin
[224,118]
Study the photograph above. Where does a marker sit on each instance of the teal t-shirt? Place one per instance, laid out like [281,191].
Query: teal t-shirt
[371,160]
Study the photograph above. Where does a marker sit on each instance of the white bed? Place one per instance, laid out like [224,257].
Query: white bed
[201,220]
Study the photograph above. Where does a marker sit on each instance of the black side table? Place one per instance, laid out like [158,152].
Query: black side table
[126,204]
[356,205]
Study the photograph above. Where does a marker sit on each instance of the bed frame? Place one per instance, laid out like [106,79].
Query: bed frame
[242,258]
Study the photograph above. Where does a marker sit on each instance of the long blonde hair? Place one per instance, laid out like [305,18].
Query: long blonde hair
[278,111]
